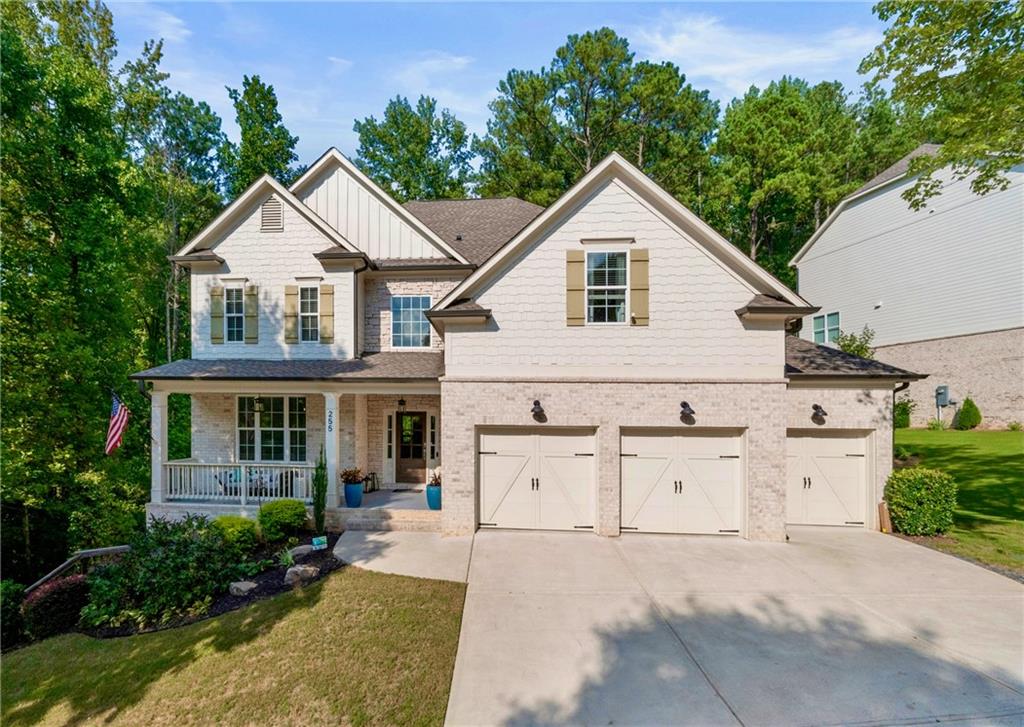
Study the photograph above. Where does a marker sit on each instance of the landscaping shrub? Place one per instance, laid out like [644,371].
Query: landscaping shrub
[173,569]
[12,626]
[1014,426]
[55,606]
[969,415]
[239,534]
[320,494]
[921,501]
[903,452]
[901,412]
[281,519]
[937,425]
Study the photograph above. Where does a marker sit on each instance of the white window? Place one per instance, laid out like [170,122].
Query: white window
[826,328]
[279,427]
[607,284]
[409,326]
[234,315]
[309,314]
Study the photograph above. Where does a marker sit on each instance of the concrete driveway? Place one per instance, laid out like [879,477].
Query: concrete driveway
[836,626]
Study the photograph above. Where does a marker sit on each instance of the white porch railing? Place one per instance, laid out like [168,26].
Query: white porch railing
[242,483]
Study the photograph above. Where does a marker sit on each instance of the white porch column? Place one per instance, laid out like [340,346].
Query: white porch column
[158,444]
[332,451]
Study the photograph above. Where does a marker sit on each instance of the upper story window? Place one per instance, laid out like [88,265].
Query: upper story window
[309,314]
[409,326]
[607,284]
[270,426]
[234,315]
[826,328]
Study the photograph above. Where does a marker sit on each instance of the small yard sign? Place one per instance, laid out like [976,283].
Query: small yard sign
[320,542]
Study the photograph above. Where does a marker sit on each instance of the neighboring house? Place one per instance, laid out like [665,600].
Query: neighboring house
[609,363]
[942,288]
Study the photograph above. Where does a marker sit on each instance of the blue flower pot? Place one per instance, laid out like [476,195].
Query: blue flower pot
[353,494]
[434,497]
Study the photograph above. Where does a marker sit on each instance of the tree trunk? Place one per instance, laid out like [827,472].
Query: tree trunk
[753,235]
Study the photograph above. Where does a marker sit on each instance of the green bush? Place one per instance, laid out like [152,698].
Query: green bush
[320,494]
[937,425]
[969,415]
[12,626]
[239,534]
[1014,426]
[858,344]
[106,512]
[55,606]
[901,412]
[173,569]
[903,452]
[921,501]
[281,519]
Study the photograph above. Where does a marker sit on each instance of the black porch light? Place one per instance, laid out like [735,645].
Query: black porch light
[257,405]
[685,410]
[401,404]
[819,412]
[537,410]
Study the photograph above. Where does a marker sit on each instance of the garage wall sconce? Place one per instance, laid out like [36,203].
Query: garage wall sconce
[686,412]
[401,405]
[538,411]
[818,414]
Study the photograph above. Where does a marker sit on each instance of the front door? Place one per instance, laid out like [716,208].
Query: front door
[411,463]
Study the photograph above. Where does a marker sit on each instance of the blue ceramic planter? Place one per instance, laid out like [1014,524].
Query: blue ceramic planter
[434,497]
[353,494]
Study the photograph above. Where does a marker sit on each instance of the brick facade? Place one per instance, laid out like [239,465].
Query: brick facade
[757,408]
[377,294]
[988,367]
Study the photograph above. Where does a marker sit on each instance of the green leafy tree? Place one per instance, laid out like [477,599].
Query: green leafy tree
[550,127]
[416,153]
[961,63]
[858,344]
[266,145]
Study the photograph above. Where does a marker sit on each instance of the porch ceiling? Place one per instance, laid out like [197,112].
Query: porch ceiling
[384,366]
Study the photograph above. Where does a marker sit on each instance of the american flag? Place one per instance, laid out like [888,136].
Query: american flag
[118,423]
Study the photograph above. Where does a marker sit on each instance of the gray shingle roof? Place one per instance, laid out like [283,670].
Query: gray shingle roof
[419,263]
[483,225]
[387,365]
[899,168]
[764,303]
[806,358]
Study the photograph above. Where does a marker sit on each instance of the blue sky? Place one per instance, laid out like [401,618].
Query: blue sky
[331,63]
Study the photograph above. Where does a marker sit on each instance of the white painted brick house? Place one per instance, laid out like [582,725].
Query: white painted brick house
[608,364]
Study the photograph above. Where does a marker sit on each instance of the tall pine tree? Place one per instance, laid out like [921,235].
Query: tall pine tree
[266,146]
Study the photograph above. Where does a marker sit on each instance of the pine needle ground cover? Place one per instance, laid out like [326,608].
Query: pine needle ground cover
[357,648]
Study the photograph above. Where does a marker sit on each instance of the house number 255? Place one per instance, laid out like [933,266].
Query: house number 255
[330,421]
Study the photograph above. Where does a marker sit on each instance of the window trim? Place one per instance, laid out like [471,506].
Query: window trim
[826,329]
[240,316]
[391,326]
[587,287]
[257,429]
[315,316]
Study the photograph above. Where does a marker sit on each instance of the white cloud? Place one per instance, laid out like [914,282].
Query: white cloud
[155,21]
[453,80]
[729,59]
[338,65]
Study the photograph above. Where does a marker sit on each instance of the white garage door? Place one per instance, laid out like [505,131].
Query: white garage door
[826,479]
[681,483]
[537,480]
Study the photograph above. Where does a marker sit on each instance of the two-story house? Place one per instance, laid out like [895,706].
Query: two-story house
[942,288]
[607,364]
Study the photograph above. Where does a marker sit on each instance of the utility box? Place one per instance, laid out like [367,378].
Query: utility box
[942,396]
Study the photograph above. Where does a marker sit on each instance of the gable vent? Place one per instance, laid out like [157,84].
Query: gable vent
[271,216]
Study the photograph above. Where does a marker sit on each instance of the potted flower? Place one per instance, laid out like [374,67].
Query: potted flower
[353,479]
[434,491]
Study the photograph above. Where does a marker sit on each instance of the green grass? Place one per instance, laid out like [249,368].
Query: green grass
[989,470]
[357,648]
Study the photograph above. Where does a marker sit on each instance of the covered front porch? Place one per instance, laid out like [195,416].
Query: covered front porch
[253,441]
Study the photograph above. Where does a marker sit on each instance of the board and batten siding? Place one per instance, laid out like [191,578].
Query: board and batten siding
[273,260]
[954,268]
[364,218]
[693,330]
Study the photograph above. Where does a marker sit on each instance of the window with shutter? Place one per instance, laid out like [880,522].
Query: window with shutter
[272,216]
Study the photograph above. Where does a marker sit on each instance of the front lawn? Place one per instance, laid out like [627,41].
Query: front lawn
[989,470]
[356,648]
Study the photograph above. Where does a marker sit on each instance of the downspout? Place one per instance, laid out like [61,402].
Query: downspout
[357,309]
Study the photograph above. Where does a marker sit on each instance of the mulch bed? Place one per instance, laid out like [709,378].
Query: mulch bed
[268,583]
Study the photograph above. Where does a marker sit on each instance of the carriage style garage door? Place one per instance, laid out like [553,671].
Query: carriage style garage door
[826,479]
[675,482]
[537,480]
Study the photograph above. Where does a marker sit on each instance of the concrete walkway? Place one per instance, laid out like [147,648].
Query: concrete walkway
[423,555]
[836,626]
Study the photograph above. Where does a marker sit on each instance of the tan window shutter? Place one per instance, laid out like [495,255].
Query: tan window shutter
[575,288]
[252,314]
[217,314]
[326,314]
[639,287]
[291,314]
